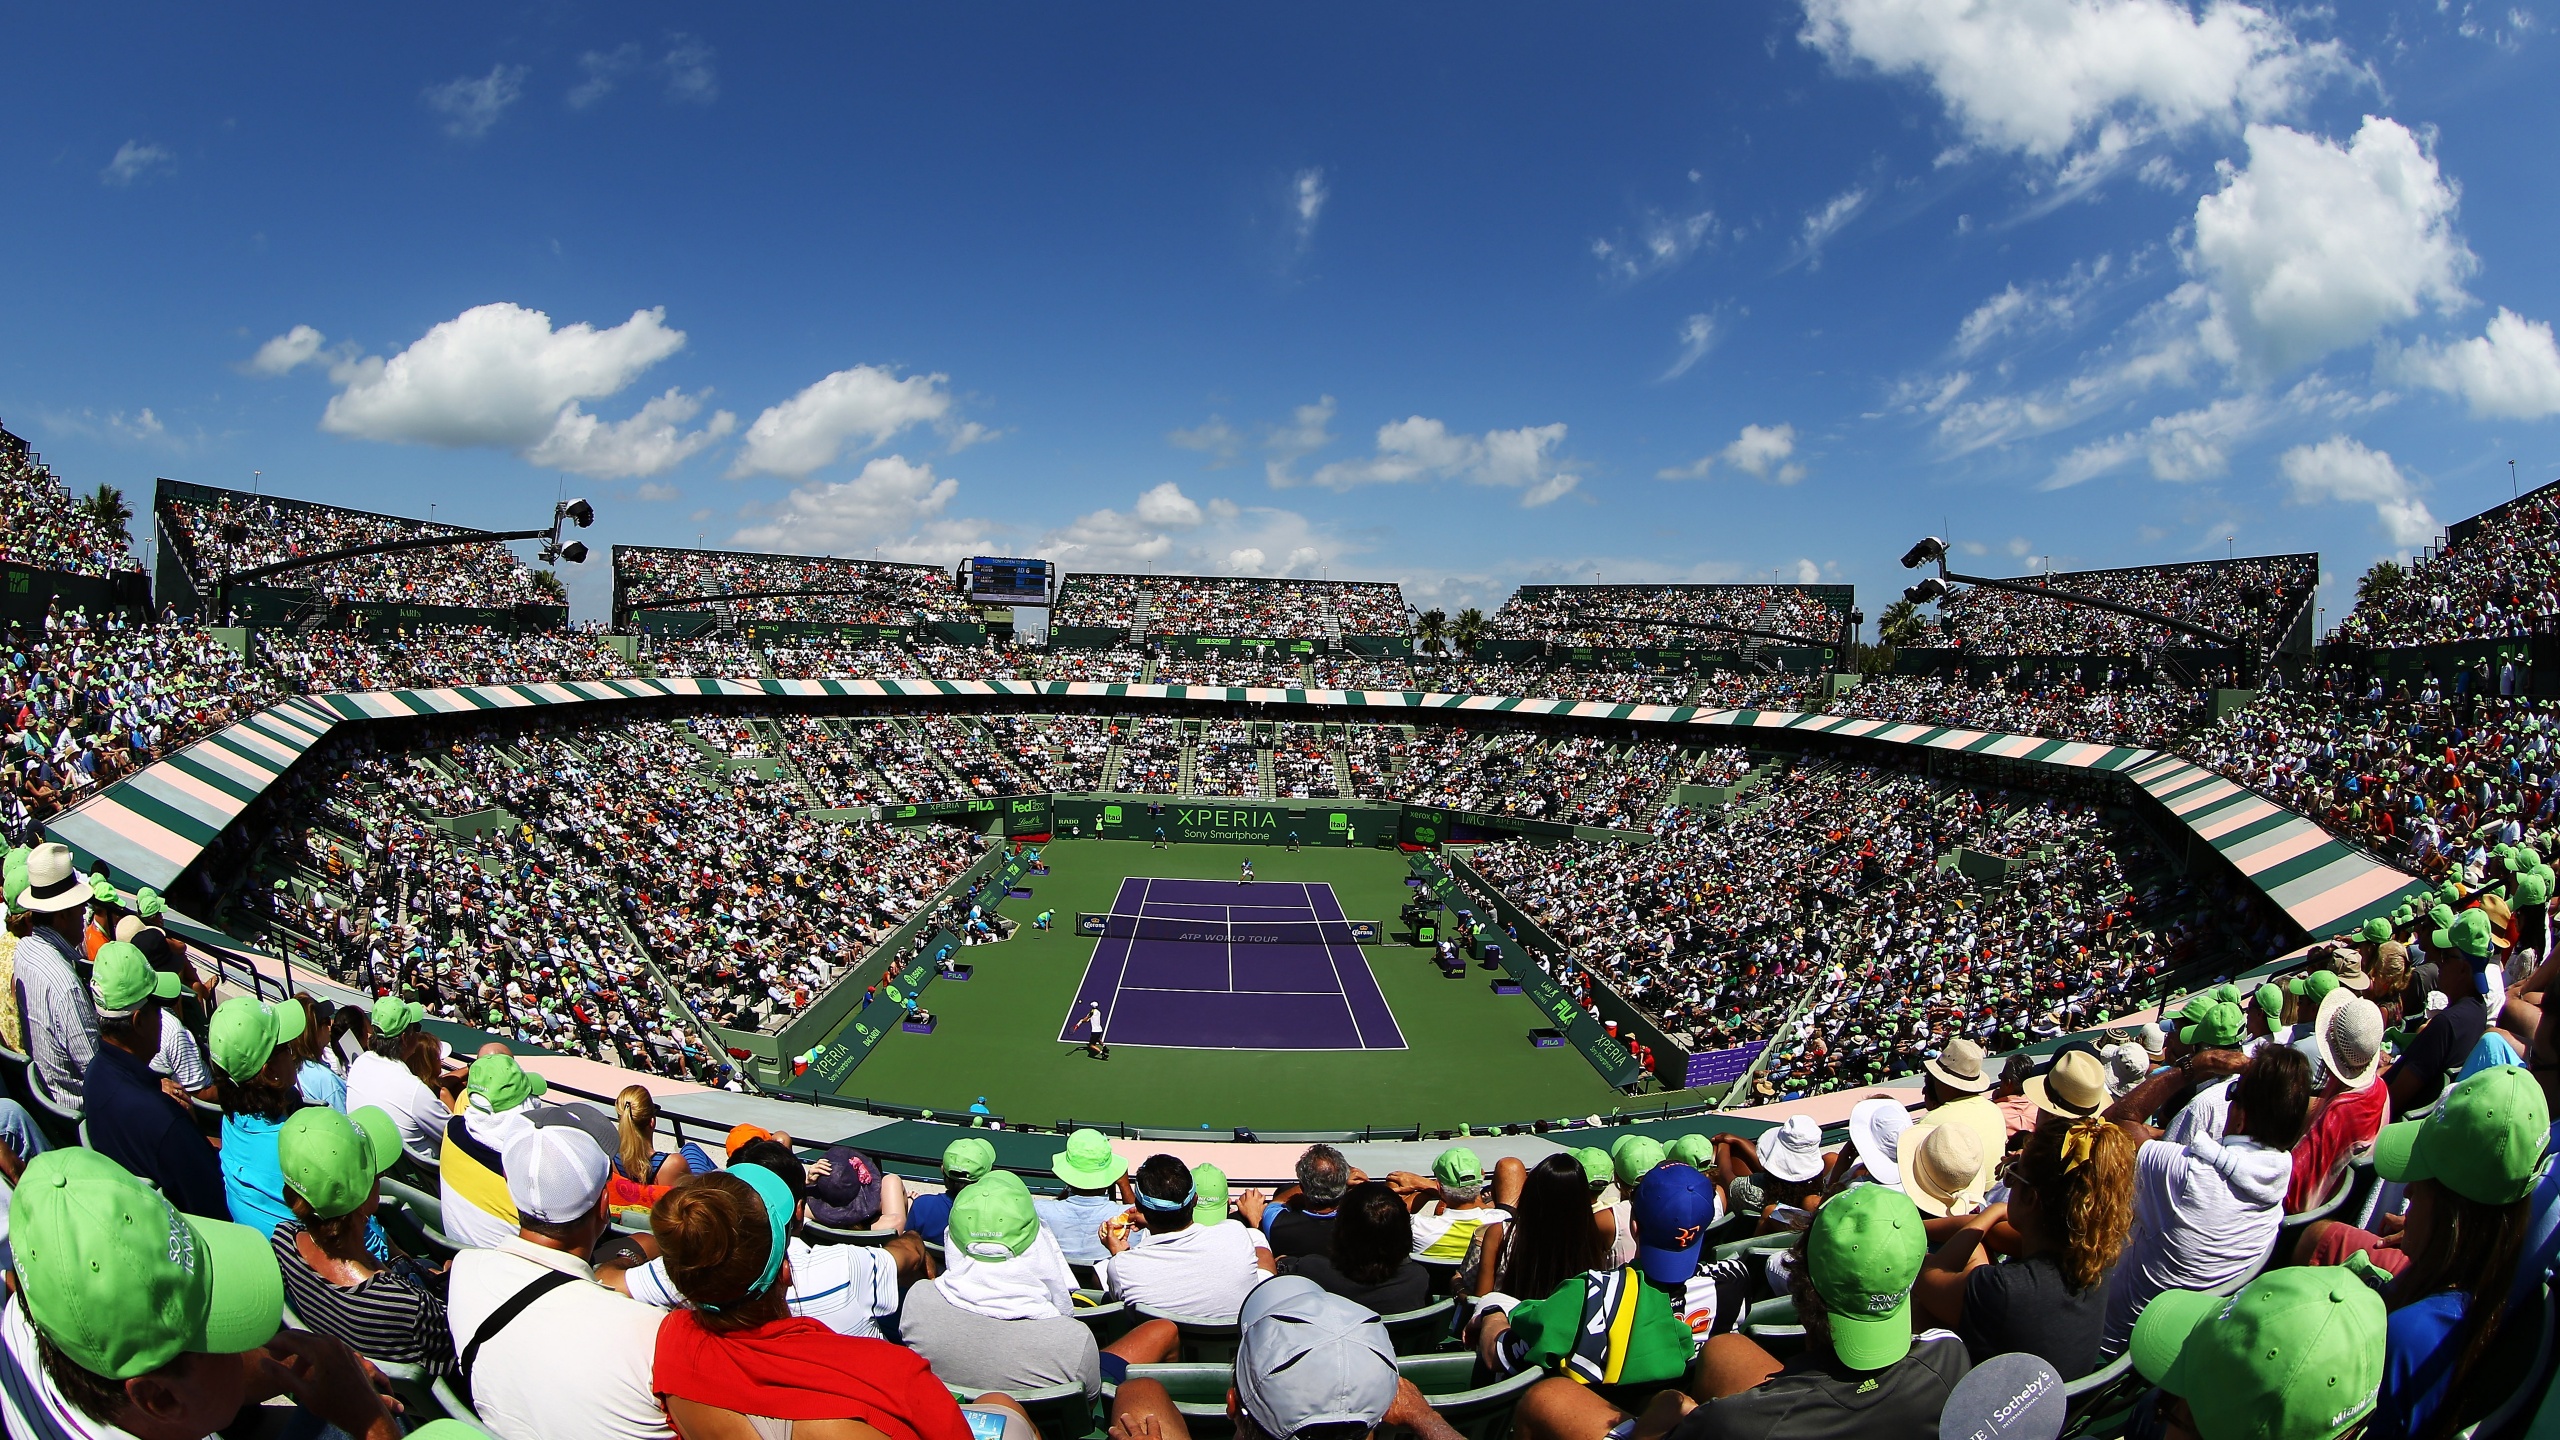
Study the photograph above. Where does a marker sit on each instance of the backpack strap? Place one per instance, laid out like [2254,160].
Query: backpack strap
[505,1315]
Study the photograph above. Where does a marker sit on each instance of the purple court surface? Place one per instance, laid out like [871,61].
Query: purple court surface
[1190,995]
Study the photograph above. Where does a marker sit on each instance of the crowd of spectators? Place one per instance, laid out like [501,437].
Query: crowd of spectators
[43,526]
[86,700]
[1239,670]
[862,592]
[1301,766]
[244,532]
[1226,762]
[1667,615]
[2500,581]
[1151,749]
[2255,601]
[1345,671]
[1230,605]
[403,658]
[2151,715]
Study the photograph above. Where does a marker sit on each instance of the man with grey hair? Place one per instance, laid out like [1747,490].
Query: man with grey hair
[1302,1223]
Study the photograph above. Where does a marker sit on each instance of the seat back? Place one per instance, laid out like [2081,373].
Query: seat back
[1061,1412]
[1199,1391]
[1203,1341]
[1484,1413]
[1418,1332]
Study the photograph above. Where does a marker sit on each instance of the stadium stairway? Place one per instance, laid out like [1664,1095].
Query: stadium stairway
[1338,751]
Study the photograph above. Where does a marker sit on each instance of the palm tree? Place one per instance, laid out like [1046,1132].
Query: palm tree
[548,585]
[1434,624]
[1899,625]
[1468,631]
[2381,580]
[109,510]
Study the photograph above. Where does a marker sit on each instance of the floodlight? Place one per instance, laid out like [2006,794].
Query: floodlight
[574,553]
[578,512]
[1928,591]
[1930,548]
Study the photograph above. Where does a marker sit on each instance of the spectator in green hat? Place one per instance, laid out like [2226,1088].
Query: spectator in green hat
[2418,1076]
[1863,1370]
[163,1325]
[965,1161]
[399,1072]
[1449,1207]
[497,1111]
[388,1306]
[131,1118]
[2469,1167]
[1001,1314]
[2297,1355]
[250,1041]
[1097,1190]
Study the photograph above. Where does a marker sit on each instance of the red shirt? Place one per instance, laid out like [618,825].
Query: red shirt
[2344,1120]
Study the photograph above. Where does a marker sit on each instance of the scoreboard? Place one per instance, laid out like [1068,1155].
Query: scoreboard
[998,580]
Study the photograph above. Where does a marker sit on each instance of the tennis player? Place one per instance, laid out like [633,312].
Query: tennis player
[1093,1042]
[1247,877]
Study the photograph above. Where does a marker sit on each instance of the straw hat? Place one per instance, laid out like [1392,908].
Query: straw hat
[2075,1087]
[1959,1067]
[53,882]
[1942,1168]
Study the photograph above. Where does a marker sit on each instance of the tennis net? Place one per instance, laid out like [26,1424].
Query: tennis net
[1115,926]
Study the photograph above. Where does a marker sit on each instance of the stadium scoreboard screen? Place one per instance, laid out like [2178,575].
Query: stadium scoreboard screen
[998,579]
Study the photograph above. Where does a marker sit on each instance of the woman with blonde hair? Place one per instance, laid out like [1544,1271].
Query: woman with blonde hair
[639,1161]
[2071,1206]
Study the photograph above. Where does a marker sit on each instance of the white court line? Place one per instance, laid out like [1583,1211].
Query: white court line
[1340,991]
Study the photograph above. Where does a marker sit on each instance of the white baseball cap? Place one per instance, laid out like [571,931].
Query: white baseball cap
[1305,1357]
[555,1173]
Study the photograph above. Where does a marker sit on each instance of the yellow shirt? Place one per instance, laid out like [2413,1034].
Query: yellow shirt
[1980,1115]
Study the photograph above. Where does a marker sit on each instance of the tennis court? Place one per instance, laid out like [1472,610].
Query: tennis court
[1220,965]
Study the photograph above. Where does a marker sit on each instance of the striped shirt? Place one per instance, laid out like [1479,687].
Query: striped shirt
[395,1316]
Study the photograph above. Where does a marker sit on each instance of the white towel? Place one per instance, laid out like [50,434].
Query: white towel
[1033,1285]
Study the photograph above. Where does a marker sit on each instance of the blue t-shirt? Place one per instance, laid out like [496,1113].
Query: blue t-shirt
[2541,1251]
[1077,1222]
[320,1085]
[2417,1365]
[252,1178]
[929,1215]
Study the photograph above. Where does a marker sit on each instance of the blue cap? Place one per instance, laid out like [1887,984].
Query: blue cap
[1674,1205]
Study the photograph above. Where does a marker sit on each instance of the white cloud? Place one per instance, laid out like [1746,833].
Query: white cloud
[651,442]
[494,375]
[1168,531]
[2041,77]
[2314,246]
[1307,194]
[604,70]
[471,106]
[2510,372]
[143,426]
[657,494]
[893,507]
[1761,451]
[859,407]
[967,433]
[2020,311]
[1212,437]
[691,78]
[1697,337]
[1660,243]
[2196,444]
[501,376]
[1418,448]
[2343,471]
[1287,444]
[2161,173]
[137,160]
[1167,505]
[1808,573]
[1820,225]
[287,352]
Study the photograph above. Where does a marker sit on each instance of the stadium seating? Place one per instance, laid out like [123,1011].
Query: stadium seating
[871,592]
[1230,605]
[41,525]
[219,532]
[1669,615]
[2255,601]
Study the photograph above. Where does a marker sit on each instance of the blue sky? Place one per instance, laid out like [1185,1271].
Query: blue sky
[1460,296]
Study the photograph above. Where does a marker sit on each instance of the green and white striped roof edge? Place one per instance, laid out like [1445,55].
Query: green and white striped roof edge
[151,826]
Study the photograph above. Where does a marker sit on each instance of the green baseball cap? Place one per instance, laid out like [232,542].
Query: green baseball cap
[2315,986]
[2470,933]
[1088,1162]
[2532,888]
[244,1032]
[2374,931]
[13,875]
[1210,1184]
[2197,1007]
[102,891]
[2484,1142]
[1694,1150]
[993,1219]
[2226,993]
[1865,1251]
[2295,1356]
[2219,1026]
[1458,1166]
[1597,1168]
[122,980]
[122,1282]
[148,903]
[331,1160]
[1635,1156]
[502,1083]
[393,1015]
[968,1158]
[2270,998]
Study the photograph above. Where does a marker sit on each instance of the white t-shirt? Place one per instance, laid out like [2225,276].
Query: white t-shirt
[2208,1112]
[575,1365]
[846,1288]
[1200,1273]
[418,1111]
[2203,1213]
